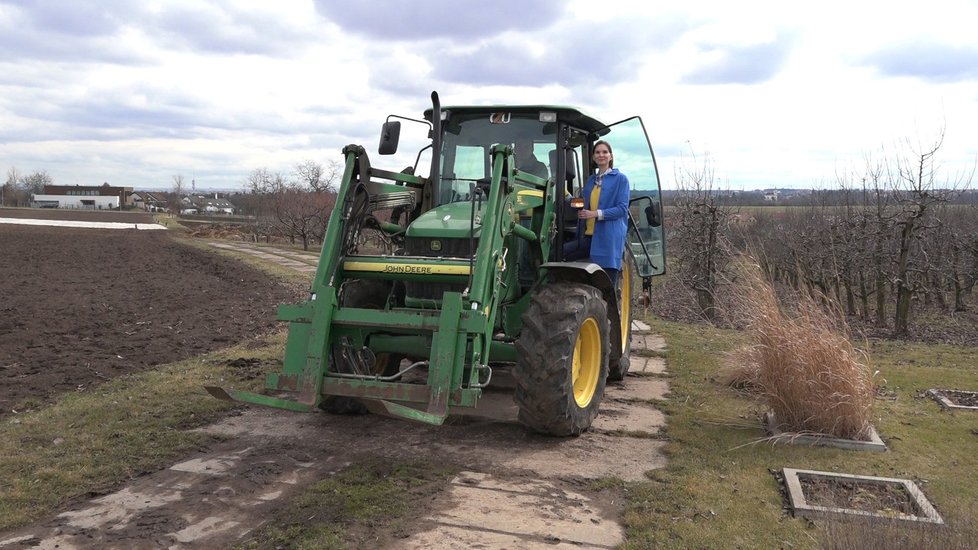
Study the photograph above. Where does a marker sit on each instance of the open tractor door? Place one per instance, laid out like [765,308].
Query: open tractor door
[433,277]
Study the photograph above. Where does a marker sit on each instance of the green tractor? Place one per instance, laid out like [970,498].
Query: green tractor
[426,285]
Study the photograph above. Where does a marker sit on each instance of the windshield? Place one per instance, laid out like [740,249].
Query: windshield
[468,140]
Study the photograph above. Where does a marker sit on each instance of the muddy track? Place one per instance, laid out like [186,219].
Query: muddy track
[517,489]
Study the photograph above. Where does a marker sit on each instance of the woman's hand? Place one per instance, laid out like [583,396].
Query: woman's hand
[587,214]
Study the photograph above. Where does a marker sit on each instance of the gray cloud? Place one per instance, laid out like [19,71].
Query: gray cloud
[927,60]
[68,32]
[743,64]
[432,19]
[143,111]
[72,31]
[575,55]
[75,18]
[225,29]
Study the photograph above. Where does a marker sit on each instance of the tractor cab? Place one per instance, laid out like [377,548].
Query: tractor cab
[557,143]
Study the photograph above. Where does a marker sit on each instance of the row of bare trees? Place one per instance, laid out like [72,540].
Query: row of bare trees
[18,188]
[891,240]
[296,208]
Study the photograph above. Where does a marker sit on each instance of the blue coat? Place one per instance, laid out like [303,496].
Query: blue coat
[608,241]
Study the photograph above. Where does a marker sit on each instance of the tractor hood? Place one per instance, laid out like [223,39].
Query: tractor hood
[448,221]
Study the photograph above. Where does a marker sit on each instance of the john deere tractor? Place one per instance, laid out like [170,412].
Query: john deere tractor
[428,284]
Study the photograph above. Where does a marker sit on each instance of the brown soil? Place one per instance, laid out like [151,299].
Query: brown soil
[81,306]
[961,398]
[877,498]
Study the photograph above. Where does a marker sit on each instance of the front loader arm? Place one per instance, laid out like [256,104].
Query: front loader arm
[306,351]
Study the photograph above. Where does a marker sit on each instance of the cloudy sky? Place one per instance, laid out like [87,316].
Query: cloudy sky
[774,94]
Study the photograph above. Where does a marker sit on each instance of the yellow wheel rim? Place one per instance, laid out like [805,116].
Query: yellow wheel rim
[587,362]
[626,302]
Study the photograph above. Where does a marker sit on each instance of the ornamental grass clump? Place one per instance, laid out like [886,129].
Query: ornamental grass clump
[804,364]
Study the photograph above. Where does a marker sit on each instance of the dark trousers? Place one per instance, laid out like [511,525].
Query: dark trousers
[578,248]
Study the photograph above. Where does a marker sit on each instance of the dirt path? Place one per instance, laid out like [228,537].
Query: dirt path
[517,490]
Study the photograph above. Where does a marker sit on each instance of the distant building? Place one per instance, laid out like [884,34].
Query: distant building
[211,204]
[83,197]
[149,201]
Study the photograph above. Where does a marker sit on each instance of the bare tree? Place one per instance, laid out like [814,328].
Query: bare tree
[176,194]
[9,189]
[916,193]
[865,219]
[963,268]
[35,182]
[700,232]
[302,214]
[263,186]
[316,177]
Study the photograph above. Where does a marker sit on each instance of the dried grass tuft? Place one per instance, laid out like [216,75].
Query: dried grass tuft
[804,364]
[740,371]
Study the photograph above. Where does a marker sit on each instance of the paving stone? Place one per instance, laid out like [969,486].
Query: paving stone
[524,514]
[647,365]
[616,415]
[640,387]
[651,342]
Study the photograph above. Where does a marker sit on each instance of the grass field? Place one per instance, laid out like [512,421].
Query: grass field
[719,492]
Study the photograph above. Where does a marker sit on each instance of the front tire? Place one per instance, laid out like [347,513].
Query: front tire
[563,359]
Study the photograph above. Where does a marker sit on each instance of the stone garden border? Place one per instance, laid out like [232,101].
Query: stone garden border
[800,506]
[946,403]
[874,443]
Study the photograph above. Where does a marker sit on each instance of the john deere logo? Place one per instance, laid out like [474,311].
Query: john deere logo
[436,245]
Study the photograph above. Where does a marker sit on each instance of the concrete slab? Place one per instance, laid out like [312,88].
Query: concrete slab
[640,326]
[633,418]
[593,456]
[524,514]
[639,387]
[219,497]
[650,342]
[116,510]
[214,465]
[647,365]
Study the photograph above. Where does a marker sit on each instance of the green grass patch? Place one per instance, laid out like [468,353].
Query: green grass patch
[89,442]
[285,274]
[717,490]
[370,499]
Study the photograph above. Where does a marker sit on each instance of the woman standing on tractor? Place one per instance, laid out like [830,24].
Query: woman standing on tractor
[604,217]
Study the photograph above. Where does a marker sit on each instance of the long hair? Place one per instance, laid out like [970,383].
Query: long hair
[610,151]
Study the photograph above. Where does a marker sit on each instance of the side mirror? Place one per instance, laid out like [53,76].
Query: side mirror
[570,170]
[390,133]
[652,215]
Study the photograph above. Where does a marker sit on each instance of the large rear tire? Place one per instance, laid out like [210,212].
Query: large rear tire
[562,359]
[626,290]
[367,294]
